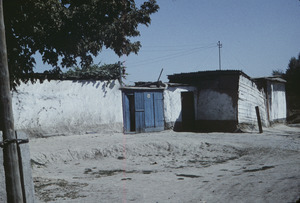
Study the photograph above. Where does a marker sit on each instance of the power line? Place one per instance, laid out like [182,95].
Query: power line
[169,56]
[181,45]
[178,48]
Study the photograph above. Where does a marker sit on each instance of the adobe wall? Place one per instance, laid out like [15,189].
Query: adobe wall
[217,104]
[59,107]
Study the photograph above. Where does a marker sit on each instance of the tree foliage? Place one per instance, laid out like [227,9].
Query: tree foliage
[293,75]
[278,73]
[64,31]
[96,71]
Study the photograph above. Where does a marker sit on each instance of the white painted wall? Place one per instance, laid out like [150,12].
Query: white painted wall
[277,101]
[213,105]
[172,102]
[62,106]
[249,97]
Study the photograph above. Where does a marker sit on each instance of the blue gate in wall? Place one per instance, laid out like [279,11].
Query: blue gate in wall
[143,111]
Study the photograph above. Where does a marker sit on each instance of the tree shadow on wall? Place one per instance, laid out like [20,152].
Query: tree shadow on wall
[109,84]
[105,84]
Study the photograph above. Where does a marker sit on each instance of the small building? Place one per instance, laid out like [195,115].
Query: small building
[225,100]
[143,109]
[275,93]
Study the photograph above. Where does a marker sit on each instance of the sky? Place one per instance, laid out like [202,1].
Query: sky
[257,37]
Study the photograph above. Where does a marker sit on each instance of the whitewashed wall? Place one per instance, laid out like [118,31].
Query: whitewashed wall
[172,103]
[249,97]
[277,101]
[213,105]
[64,106]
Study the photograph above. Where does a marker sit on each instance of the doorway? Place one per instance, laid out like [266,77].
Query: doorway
[131,112]
[188,111]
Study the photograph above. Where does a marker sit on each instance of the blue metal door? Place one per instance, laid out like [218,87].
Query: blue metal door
[154,112]
[139,112]
[143,111]
[149,110]
[158,110]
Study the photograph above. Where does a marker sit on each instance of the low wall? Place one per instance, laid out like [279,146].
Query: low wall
[58,107]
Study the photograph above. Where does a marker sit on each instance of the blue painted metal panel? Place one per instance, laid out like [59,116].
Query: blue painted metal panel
[139,112]
[158,110]
[149,109]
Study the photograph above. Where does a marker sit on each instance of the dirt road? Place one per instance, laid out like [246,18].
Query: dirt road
[169,167]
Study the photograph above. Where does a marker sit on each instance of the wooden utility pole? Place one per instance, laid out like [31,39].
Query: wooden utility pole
[220,46]
[10,154]
[258,120]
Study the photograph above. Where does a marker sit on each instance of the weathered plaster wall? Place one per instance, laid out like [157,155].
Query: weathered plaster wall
[277,101]
[172,104]
[216,110]
[214,105]
[249,97]
[64,106]
[217,103]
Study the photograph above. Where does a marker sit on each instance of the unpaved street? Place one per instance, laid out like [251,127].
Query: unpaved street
[169,167]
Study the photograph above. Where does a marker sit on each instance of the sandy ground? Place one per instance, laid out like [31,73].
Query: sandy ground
[169,167]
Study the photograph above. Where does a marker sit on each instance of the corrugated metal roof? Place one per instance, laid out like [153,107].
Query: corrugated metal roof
[275,79]
[177,77]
